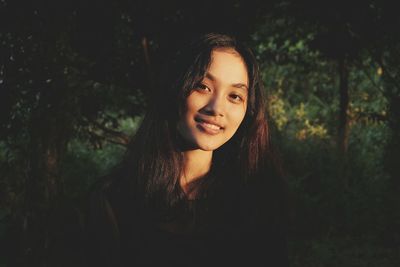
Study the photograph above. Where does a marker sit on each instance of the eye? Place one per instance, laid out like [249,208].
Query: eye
[202,88]
[236,98]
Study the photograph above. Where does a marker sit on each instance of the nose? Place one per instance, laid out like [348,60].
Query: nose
[215,106]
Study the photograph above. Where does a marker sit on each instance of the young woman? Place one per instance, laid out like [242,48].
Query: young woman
[200,186]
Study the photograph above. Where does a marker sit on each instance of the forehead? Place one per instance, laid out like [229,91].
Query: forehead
[227,65]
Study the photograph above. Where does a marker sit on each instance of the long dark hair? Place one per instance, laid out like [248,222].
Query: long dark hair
[155,158]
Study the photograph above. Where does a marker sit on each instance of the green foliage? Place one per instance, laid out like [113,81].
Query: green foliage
[338,201]
[84,163]
[332,218]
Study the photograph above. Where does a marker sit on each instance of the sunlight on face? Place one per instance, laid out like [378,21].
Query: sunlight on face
[217,106]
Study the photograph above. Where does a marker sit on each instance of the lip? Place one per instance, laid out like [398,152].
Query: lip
[201,120]
[208,126]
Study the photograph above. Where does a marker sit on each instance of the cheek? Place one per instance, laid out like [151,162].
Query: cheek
[238,116]
[191,106]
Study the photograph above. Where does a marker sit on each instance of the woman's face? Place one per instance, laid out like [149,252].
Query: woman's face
[216,108]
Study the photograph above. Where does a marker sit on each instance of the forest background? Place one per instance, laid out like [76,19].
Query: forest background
[75,77]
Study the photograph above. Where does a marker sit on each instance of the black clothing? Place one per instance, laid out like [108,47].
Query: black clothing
[232,231]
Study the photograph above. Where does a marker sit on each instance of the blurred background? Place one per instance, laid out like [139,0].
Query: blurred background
[76,76]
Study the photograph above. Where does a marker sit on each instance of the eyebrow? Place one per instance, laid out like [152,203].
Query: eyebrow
[236,85]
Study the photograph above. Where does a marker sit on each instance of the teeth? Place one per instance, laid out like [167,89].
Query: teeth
[211,126]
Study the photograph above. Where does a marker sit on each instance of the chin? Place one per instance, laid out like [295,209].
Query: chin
[208,146]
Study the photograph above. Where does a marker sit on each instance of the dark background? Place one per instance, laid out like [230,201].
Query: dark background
[75,78]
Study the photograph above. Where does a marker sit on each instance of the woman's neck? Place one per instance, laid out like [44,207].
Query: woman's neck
[197,163]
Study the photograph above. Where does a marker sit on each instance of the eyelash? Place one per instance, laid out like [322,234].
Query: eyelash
[202,87]
[237,99]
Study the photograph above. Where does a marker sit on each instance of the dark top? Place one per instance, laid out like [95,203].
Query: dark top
[235,230]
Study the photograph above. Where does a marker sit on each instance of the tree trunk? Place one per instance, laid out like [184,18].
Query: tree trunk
[391,208]
[48,136]
[150,75]
[343,127]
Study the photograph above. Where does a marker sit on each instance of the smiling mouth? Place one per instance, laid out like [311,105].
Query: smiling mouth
[207,127]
